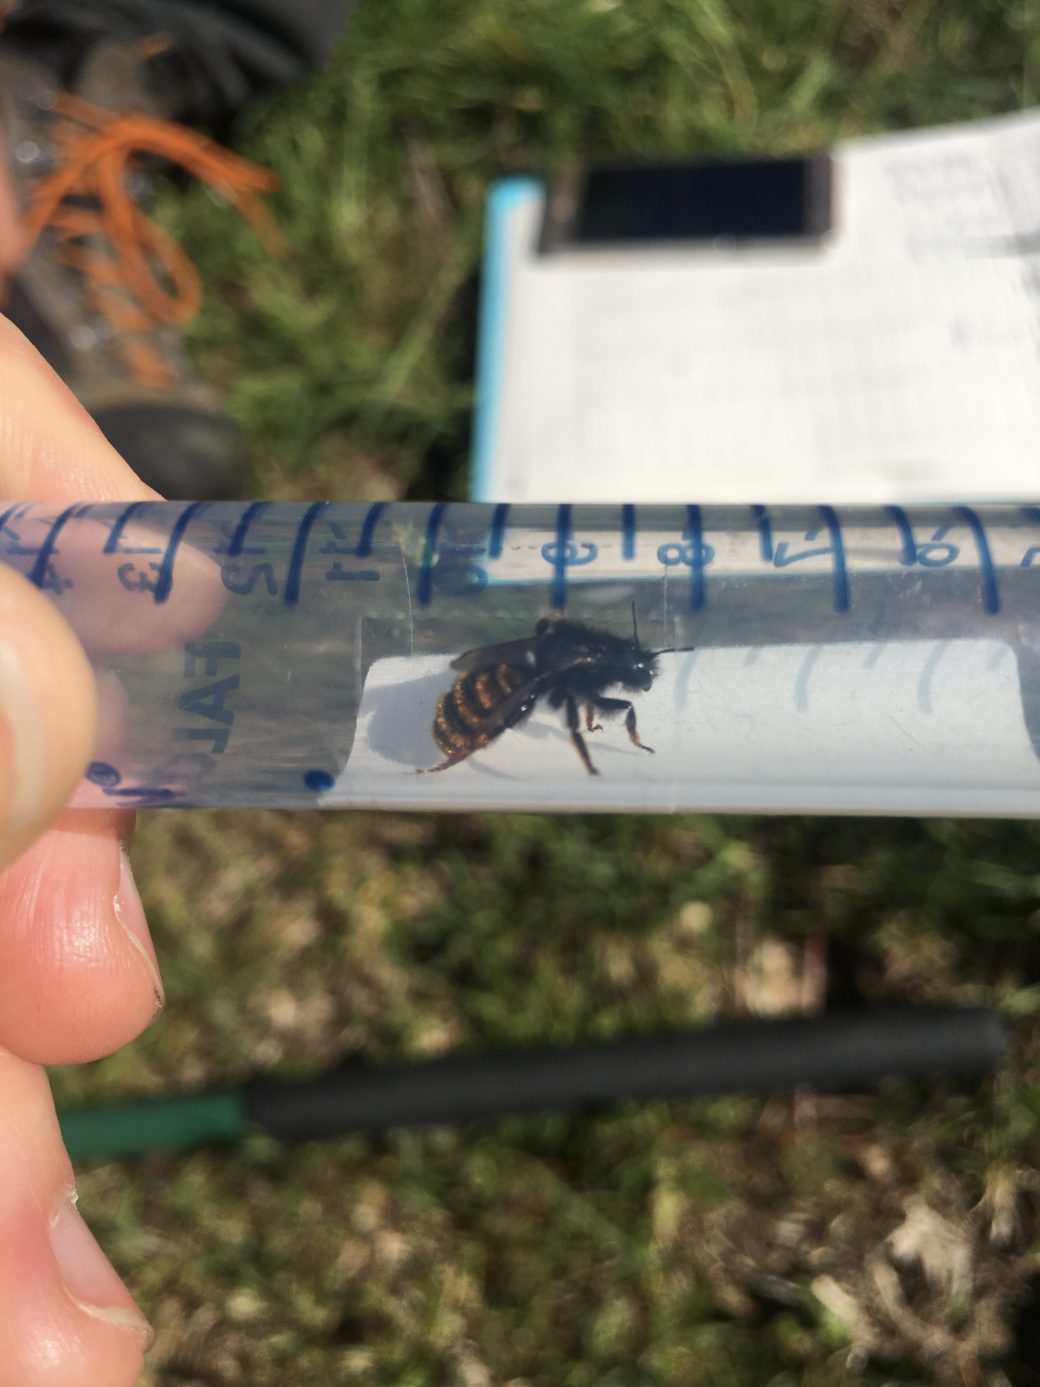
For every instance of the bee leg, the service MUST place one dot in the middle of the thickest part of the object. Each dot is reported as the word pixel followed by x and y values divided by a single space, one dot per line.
pixel 633 735
pixel 591 726
pixel 615 705
pixel 445 765
pixel 576 737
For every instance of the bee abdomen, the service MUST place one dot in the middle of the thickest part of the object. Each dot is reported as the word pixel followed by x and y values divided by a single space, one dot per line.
pixel 466 715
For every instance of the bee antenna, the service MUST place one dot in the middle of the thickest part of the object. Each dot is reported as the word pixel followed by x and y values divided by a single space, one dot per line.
pixel 635 632
pixel 674 650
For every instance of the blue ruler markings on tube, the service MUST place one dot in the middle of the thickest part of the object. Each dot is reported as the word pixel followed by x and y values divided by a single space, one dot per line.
pixel 291 595
pixel 559 561
pixel 424 590
pixel 368 529
pixel 938 552
pixel 901 521
pixel 841 572
pixel 164 582
pixel 935 552
pixel 834 549
pixel 698 556
pixel 38 572
pixel 246 519
pixel 338 546
pixel 987 572
pixel 690 552
pixel 111 545
pixel 1031 513
pixel 932 550
pixel 628 532
pixel 14 513
pixel 362 550
pixel 765 532
pixel 496 535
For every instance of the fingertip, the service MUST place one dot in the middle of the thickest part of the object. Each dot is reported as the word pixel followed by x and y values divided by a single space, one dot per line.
pixel 48 713
pixel 75 951
pixel 66 1315
pixel 53 449
pixel 130 917
pixel 88 1278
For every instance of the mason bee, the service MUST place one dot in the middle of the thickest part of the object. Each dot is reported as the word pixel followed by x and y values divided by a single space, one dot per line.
pixel 566 662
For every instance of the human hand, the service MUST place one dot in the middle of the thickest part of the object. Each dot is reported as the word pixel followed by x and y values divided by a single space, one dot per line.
pixel 78 975
pixel 12 240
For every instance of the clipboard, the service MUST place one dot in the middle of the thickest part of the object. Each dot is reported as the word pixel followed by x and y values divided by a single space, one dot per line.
pixel 893 357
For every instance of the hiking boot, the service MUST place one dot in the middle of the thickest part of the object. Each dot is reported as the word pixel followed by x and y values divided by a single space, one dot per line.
pixel 104 293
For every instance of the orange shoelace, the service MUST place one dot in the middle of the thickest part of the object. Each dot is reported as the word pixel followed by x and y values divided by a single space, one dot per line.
pixel 141 277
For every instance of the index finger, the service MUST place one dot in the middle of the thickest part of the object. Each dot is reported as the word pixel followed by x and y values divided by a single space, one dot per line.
pixel 50 448
pixel 81 955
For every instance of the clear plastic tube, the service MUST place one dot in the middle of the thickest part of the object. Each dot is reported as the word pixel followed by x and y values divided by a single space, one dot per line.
pixel 853 661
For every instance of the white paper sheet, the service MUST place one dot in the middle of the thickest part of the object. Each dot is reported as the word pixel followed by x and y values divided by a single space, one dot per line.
pixel 900 361
pixel 903 727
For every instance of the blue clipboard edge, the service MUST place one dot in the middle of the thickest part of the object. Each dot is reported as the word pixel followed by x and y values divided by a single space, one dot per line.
pixel 503 201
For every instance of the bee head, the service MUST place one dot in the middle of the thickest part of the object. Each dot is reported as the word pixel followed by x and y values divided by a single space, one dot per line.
pixel 642 669
pixel 643 665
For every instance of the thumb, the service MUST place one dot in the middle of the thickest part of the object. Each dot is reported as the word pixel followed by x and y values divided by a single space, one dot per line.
pixel 48 713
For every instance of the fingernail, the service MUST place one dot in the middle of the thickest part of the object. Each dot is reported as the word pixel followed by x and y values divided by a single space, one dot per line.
pixel 90 1278
pixel 23 755
pixel 130 914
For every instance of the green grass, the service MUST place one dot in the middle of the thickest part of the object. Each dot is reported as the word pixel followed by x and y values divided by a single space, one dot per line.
pixel 723 1242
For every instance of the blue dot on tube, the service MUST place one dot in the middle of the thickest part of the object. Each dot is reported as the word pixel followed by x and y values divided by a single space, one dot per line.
pixel 101 773
pixel 318 780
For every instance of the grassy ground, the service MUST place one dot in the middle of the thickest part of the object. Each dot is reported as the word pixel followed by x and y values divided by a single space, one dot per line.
pixel 731 1241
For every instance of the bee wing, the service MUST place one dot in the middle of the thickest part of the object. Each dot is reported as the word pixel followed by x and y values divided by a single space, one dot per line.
pixel 513 710
pixel 518 652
